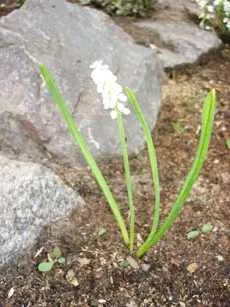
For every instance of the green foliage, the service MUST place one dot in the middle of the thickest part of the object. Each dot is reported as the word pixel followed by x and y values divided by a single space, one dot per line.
pixel 56 253
pixel 79 140
pixel 193 234
pixel 124 149
pixel 207 228
pixel 20 2
pixel 151 154
pixel 54 257
pixel 178 127
pixel 45 267
pixel 227 142
pixel 206 131
pixel 122 7
pixel 216 14
pixel 158 230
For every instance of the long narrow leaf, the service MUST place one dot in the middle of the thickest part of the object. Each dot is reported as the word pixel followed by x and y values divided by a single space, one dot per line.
pixel 206 131
pixel 79 140
pixel 152 156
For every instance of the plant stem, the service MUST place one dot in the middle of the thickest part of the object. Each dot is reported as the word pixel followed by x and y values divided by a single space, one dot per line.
pixel 124 149
pixel 206 131
pixel 152 157
pixel 79 140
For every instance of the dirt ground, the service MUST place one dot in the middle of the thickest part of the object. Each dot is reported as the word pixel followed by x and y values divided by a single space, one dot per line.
pixel 177 271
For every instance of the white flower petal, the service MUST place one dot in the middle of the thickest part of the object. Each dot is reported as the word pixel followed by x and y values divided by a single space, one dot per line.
pixel 111 92
pixel 122 97
pixel 113 114
pixel 126 111
pixel 96 64
pixel 123 109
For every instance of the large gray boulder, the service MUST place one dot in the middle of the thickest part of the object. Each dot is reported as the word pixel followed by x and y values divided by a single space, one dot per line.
pixel 68 38
pixel 31 196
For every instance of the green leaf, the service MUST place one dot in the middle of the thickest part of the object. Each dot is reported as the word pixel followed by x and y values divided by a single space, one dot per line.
pixel 151 154
pixel 191 235
pixel 61 260
pixel 207 119
pixel 56 253
pixel 207 228
pixel 45 266
pixel 178 127
pixel 80 141
pixel 227 142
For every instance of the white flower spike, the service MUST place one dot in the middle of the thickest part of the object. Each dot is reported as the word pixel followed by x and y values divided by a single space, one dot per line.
pixel 111 92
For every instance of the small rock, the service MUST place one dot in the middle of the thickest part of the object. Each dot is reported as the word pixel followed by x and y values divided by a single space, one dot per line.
pixel 225 177
pixel 192 267
pixel 131 304
pixel 220 258
pixel 133 263
pixel 145 267
pixel 102 231
pixel 101 301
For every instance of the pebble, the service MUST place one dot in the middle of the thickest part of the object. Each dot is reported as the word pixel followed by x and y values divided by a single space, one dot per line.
pixel 145 267
pixel 220 258
pixel 192 267
pixel 101 301
pixel 132 262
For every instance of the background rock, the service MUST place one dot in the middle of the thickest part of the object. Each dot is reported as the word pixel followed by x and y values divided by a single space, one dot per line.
pixel 180 6
pixel 68 38
pixel 181 42
pixel 31 196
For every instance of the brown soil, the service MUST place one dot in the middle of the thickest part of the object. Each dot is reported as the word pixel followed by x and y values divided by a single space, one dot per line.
pixel 176 272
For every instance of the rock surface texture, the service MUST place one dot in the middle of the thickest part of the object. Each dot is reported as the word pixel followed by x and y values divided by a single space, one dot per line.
pixel 175 34
pixel 179 6
pixel 31 196
pixel 182 42
pixel 67 38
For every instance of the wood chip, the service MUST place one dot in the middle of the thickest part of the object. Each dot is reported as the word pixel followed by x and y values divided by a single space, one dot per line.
pixel 10 293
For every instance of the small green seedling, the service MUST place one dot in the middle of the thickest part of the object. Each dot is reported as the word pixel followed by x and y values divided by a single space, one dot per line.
pixel 54 257
pixel 178 127
pixel 19 3
pixel 206 228
pixel 227 142
pixel 193 234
